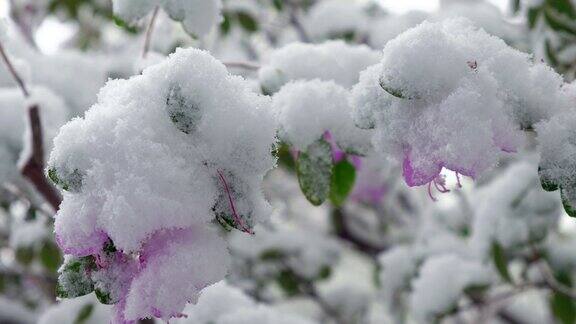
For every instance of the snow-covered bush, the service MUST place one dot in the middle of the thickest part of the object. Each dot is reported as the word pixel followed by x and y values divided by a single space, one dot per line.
pixel 258 161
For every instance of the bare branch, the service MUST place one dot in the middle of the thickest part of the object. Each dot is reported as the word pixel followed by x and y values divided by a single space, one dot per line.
pixel 33 168
pixel 149 30
pixel 243 65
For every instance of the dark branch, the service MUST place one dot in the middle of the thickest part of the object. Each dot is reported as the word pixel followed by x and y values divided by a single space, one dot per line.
pixel 33 168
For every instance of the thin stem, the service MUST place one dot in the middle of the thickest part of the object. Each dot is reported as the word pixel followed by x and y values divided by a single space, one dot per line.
pixel 13 72
pixel 149 30
pixel 297 24
pixel 549 280
pixel 237 218
pixel 243 65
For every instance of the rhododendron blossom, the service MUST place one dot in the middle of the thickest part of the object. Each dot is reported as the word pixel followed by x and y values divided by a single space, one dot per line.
pixel 445 96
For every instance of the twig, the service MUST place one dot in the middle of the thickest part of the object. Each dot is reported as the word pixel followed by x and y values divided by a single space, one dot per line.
pixel 16 192
pixel 149 30
pixel 343 231
pixel 33 168
pixel 549 280
pixel 243 65
pixel 297 24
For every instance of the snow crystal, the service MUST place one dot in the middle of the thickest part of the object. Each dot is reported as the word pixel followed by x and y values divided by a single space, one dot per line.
pixel 198 17
pixel 330 61
pixel 308 109
pixel 450 275
pixel 452 96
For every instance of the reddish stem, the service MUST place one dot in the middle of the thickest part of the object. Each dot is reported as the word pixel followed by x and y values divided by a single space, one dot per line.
pixel 237 218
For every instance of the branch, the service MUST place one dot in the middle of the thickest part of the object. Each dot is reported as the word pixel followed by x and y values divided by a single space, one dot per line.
pixel 33 168
pixel 297 24
pixel 243 65
pixel 149 30
pixel 343 231
pixel 550 280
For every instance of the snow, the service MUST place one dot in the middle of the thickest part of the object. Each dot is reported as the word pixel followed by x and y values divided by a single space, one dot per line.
pixel 198 17
pixel 335 18
pixel 13 125
pixel 513 210
pixel 67 311
pixel 308 109
pixel 475 90
pixel 329 61
pixel 449 274
pixel 225 304
pixel 173 148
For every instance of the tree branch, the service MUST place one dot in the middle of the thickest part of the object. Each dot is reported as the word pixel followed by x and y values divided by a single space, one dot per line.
pixel 33 168
pixel 149 30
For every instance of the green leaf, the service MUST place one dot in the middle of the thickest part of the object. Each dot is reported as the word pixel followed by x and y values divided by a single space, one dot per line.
pixel 25 255
pixel 563 306
pixel 104 297
pixel 515 6
pixel 271 255
pixel 533 14
pixel 500 261
pixel 84 314
pixel 50 256
pixel 226 24
pixel 552 58
pixel 562 6
pixel 567 205
pixel 314 170
pixel 247 22
pixel 183 111
pixel 548 185
pixel 324 273
pixel 398 93
pixel 278 4
pixel 74 277
pixel 559 22
pixel 342 182
pixel 288 282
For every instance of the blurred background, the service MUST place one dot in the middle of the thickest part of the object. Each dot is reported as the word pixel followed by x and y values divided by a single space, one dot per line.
pixel 354 263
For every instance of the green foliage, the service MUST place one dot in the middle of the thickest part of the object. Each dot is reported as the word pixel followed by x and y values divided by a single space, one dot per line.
pixel 74 277
pixel 314 170
pixel 104 297
pixel 342 182
pixel 183 112
pixel 501 261
pixel 25 255
pixel 50 256
pixel 288 281
pixel 247 22
pixel 271 255
pixel 84 314
pixel 243 19
pixel 398 93
pixel 71 182
pixel 563 306
pixel 567 205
